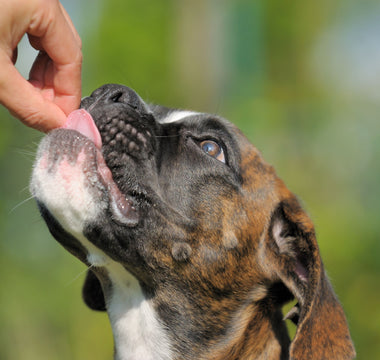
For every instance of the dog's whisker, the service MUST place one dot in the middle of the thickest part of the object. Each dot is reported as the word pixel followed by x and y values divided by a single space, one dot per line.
pixel 20 204
pixel 36 221
pixel 166 136
pixel 79 275
pixel 26 154
pixel 26 188
pixel 98 99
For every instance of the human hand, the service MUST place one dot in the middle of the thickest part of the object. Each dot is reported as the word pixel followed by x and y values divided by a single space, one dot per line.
pixel 54 86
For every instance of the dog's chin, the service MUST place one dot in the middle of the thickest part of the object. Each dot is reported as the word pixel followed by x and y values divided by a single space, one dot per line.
pixel 74 186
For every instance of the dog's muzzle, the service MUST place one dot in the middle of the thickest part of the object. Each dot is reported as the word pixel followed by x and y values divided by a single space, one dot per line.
pixel 125 123
pixel 128 136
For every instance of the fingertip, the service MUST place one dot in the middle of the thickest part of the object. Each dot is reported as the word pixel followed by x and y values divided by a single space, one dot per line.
pixel 46 119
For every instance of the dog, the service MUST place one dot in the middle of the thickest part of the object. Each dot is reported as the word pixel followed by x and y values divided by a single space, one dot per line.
pixel 192 241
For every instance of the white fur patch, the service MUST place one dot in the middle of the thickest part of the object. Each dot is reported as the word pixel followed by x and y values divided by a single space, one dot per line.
pixel 177 116
pixel 64 189
pixel 137 332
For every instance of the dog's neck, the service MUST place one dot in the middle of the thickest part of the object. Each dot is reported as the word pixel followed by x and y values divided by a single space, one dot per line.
pixel 258 338
pixel 137 332
pixel 140 334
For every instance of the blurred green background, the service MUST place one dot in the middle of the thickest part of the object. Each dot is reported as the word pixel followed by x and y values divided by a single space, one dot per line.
pixel 302 79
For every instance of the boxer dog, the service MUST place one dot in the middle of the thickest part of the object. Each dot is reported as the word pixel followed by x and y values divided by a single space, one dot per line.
pixel 193 243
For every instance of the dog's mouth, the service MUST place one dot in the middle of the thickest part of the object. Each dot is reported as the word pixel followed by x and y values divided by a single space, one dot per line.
pixel 123 206
pixel 116 138
pixel 95 178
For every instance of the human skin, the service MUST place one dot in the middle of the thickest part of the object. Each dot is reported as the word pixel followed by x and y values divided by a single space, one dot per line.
pixel 54 86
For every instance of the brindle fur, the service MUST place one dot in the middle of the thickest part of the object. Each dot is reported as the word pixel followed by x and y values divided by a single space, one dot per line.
pixel 221 250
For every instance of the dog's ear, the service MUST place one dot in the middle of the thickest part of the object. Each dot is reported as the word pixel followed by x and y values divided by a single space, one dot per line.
pixel 92 292
pixel 322 331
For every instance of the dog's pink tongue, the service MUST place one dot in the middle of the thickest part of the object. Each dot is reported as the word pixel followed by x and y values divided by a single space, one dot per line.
pixel 81 121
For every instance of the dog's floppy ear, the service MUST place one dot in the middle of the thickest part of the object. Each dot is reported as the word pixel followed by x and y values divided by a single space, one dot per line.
pixel 322 331
pixel 92 292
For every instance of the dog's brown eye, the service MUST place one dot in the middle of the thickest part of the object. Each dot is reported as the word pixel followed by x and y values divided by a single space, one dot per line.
pixel 213 149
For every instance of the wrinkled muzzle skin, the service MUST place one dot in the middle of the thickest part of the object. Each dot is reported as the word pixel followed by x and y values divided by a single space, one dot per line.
pixel 193 241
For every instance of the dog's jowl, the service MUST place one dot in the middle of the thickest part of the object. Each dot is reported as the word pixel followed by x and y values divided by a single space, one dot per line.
pixel 194 243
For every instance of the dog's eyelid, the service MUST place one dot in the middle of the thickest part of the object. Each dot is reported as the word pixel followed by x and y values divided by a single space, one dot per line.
pixel 213 149
pixel 206 139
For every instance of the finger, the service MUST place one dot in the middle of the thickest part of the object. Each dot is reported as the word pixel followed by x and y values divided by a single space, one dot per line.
pixel 65 73
pixel 36 74
pixel 72 27
pixel 36 41
pixel 26 102
pixel 48 34
pixel 44 77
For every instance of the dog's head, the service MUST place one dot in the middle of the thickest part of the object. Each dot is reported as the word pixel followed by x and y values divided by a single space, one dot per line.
pixel 186 204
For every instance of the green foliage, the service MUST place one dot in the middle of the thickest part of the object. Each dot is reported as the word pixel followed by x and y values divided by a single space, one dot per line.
pixel 255 63
pixel 131 45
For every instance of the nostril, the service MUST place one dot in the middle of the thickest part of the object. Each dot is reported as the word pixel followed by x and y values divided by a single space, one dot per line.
pixel 116 97
pixel 111 93
pixel 120 95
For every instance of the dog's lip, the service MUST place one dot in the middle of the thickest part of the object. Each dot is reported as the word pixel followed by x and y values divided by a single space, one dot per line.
pixel 122 207
pixel 82 121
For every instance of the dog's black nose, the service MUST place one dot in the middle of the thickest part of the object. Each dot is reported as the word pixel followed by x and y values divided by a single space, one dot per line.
pixel 113 94
pixel 126 124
